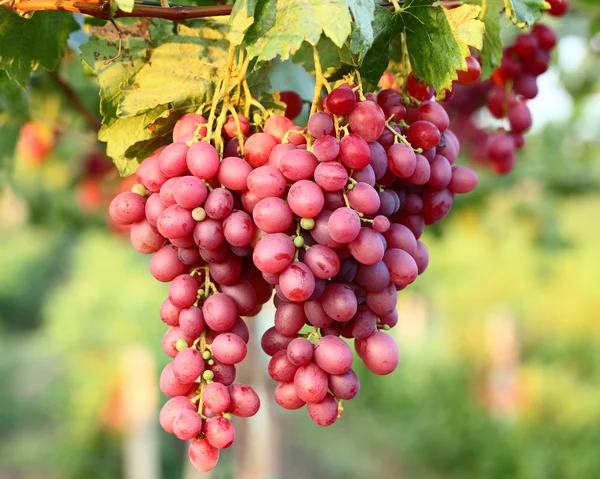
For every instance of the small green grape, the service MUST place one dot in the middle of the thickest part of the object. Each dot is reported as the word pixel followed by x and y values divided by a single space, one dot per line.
pixel 139 189
pixel 181 344
pixel 307 223
pixel 199 214
pixel 298 241
pixel 208 375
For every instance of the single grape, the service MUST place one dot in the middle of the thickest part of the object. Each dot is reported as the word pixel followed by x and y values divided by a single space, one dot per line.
pixel 258 147
pixel 354 151
pixel 220 312
pixel 382 302
pixel 379 353
pixel 339 302
pixel 273 253
pixel 311 383
pixel 145 238
pixel 322 261
pixel 266 181
pixel 127 208
pixel 402 160
pixel 172 408
pixel 364 198
pixel 191 321
pixel 344 225
pixel 172 160
pixel 277 126
pixel 341 101
pixel 287 397
pixel 293 103
pixel 169 384
pixel 165 264
pixel 331 176
pixel 418 89
pixel 464 180
pixel 273 341
pixel 219 432
pixel 243 295
pixel 289 318
pixel 326 148
pixel 298 164
pixel 244 400
pixel 230 128
pixel 332 355
pixel 300 351
pixel 281 369
pixel 373 277
pixel 208 234
pixel 367 120
pixel 188 366
pixel 203 456
pixel 320 124
pixel 344 386
pixel 472 73
pixel 434 113
pixel 423 134
pixel 187 125
pixel 215 397
pixel 305 199
pixel 441 173
pixel 297 282
pixel 183 290
pixel 324 413
pixel 316 315
pixel 153 208
pixel 519 117
pixel 233 173
pixel 228 348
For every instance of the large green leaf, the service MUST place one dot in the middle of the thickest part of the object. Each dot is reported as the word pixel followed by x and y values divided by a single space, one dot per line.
pixel 159 77
pixel 524 11
pixel 376 59
pixel 363 14
pixel 438 39
pixel 180 71
pixel 280 26
pixel 491 53
pixel 25 45
pixel 240 20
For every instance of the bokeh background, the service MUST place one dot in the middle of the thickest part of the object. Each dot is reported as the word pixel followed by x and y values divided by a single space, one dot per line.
pixel 500 376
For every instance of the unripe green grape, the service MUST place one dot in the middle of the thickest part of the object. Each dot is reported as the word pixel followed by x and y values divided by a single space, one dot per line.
pixel 181 344
pixel 307 223
pixel 139 189
pixel 298 241
pixel 211 362
pixel 199 214
pixel 208 375
pixel 206 355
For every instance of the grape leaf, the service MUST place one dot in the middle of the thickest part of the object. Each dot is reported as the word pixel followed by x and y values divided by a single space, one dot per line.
pixel 491 51
pixel 376 59
pixel 330 56
pixel 240 20
pixel 437 39
pixel 116 74
pixel 524 11
pixel 121 135
pixel 363 13
pixel 26 45
pixel 181 71
pixel 159 77
pixel 280 26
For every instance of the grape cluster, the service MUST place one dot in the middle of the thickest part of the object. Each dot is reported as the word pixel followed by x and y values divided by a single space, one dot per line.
pixel 505 97
pixel 329 216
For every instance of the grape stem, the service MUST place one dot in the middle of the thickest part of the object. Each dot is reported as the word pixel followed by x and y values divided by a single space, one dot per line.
pixel 397 136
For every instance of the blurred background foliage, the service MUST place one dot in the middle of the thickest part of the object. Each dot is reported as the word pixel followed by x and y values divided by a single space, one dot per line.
pixel 501 336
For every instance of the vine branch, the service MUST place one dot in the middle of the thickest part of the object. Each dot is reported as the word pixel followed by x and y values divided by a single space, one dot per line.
pixel 102 10
pixel 91 119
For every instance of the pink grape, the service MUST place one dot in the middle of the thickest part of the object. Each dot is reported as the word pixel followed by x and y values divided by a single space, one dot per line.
pixel 189 192
pixel 402 160
pixel 379 353
pixel 423 134
pixel 172 408
pixel 399 236
pixel 220 313
pixel 145 238
pixel 289 318
pixel 297 282
pixel 219 203
pixel 364 323
pixel 323 413
pixel 169 314
pixel 341 101
pixel 238 228
pixel 183 291
pixel 300 351
pixel 233 173
pixel 273 341
pixel 208 234
pixel 441 173
pixel 316 315
pixel 277 126
pixel 202 160
pixel 154 208
pixel 175 222
pixel 287 397
pixel 374 277
pixel 320 124
pixel 266 181
pixel 165 264
pixel 382 302
pixel 274 253
pixel 278 152
pixel 344 225
pixel 354 151
pixel 364 198
pixel 305 199
pixel 344 386
pixel 223 373
pixel 311 383
pixel 367 120
pixel 169 384
pixel 230 128
pixel 367 247
pixel 127 208
pixel 326 148
pixel 322 261
pixel 187 125
pixel 203 456
pixel 243 295
pixel 464 180
pixel 191 321
pixel 215 397
pixel 172 160
pixel 281 369
pixel 228 348
pixel 244 400
pixel 298 164
pixel 258 147
pixel 187 425
pixel 219 432
pixel 333 355
pixel 273 215
pixel 402 266
pixel 331 176
pixel 188 366
pixel 166 192
pixel 339 302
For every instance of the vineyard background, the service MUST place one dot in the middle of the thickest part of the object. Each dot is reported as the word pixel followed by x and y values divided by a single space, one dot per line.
pixel 501 337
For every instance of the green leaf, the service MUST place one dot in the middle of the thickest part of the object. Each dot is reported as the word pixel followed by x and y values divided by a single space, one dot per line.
pixel 437 39
pixel 240 20
pixel 116 74
pixel 126 5
pixel 524 11
pixel 363 13
pixel 281 26
pixel 123 134
pixel 159 77
pixel 491 52
pixel 181 71
pixel 26 45
pixel 334 63
pixel 376 59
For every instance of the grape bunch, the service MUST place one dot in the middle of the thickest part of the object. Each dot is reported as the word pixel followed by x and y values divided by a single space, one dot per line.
pixel 505 97
pixel 328 216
